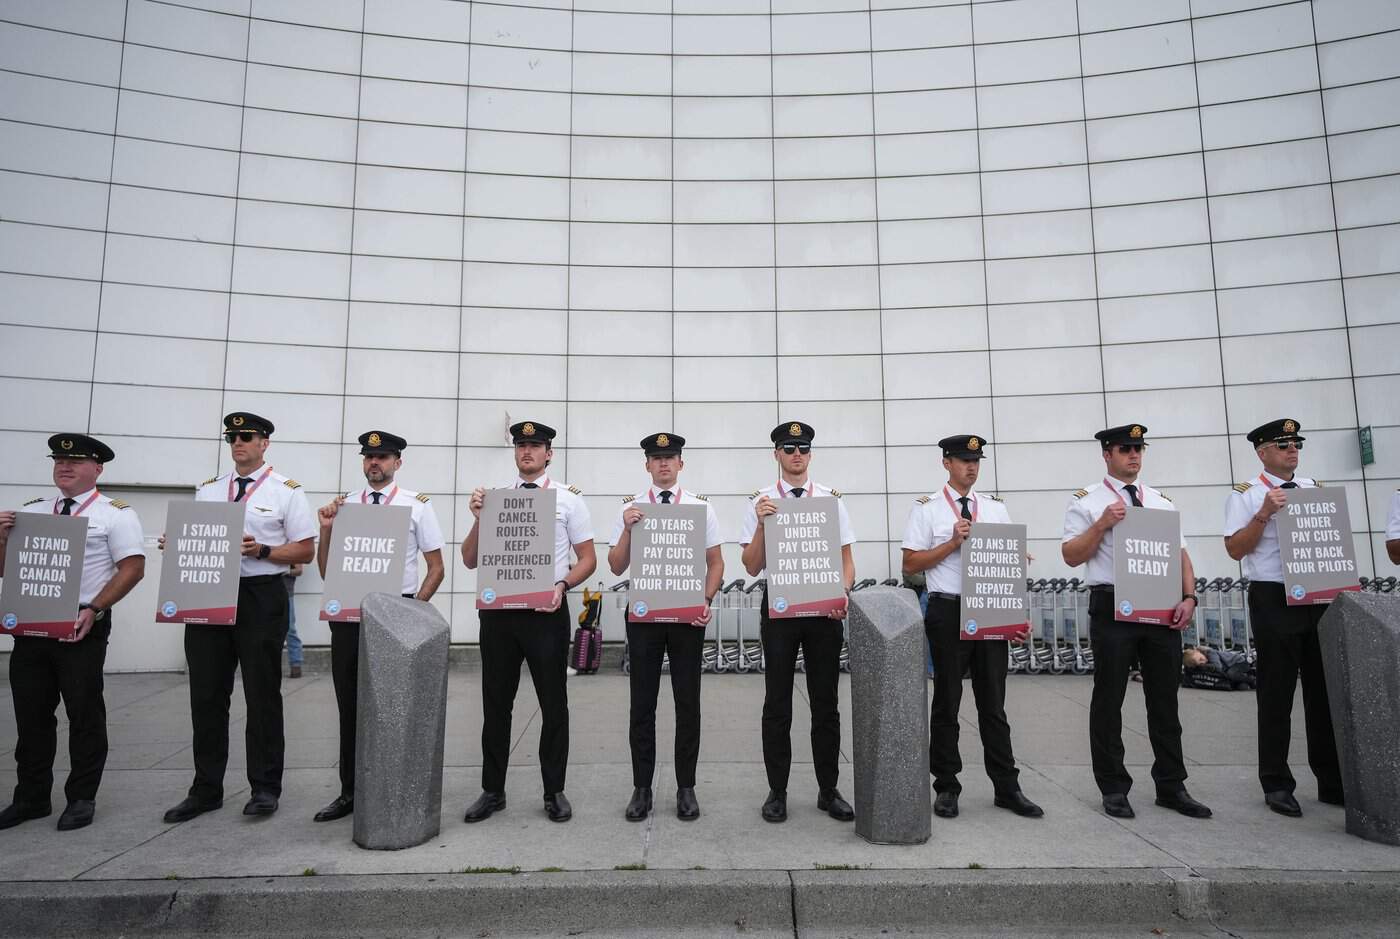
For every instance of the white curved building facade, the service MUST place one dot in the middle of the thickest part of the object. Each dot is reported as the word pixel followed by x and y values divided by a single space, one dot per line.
pixel 896 221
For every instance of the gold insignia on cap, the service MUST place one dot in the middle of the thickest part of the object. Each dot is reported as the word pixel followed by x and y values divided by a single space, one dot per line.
pixel 528 430
pixel 662 440
pixel 795 430
pixel 1135 432
pixel 973 443
pixel 66 443
pixel 1289 427
pixel 236 421
pixel 374 440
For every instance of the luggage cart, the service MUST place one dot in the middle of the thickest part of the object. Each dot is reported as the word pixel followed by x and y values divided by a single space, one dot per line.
pixel 1212 631
pixel 727 651
pixel 620 589
pixel 1042 652
pixel 750 650
pixel 1190 636
pixel 1018 656
pixel 1235 618
pixel 1083 661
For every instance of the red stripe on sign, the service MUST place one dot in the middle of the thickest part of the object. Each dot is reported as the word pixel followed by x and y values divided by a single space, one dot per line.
pixel 682 614
pixel 1322 596
pixel 811 608
pixel 1151 617
pixel 518 601
pixel 210 616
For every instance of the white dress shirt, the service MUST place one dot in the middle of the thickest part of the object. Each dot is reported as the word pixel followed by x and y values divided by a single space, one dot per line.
pixel 1085 508
pixel 931 522
pixel 1264 562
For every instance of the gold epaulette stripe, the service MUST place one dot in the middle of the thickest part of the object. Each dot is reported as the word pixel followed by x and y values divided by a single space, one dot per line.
pixel 119 504
pixel 1165 496
pixel 422 497
pixel 211 479
pixel 755 493
pixel 1080 493
pixel 836 493
pixel 627 499
pixel 923 500
pixel 1241 487
pixel 576 490
pixel 291 484
pixel 703 498
pixel 32 501
pixel 994 498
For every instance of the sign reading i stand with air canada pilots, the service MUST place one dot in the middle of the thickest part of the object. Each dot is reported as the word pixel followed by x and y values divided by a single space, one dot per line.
pixel 667 565
pixel 995 601
pixel 802 552
pixel 515 549
pixel 1315 545
pixel 367 556
pixel 43 575
pixel 1147 566
pixel 199 576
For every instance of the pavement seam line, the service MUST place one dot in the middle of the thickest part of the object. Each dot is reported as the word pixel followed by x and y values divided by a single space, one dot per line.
pixel 792 903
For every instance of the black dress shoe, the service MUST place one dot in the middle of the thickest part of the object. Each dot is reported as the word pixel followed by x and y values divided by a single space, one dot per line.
pixel 23 812
pixel 262 803
pixel 341 806
pixel 1116 805
pixel 1182 802
pixel 639 806
pixel 78 814
pixel 834 804
pixel 687 809
pixel 1282 802
pixel 945 805
pixel 558 808
pixel 486 805
pixel 775 807
pixel 189 808
pixel 1018 803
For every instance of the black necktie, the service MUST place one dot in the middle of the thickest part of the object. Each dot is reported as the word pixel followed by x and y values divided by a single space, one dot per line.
pixel 966 512
pixel 529 485
pixel 1132 494
pixel 376 496
pixel 67 506
pixel 243 483
pixel 666 495
pixel 1289 485
pixel 797 492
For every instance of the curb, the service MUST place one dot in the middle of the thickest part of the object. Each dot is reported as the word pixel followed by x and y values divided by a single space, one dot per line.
pixel 748 903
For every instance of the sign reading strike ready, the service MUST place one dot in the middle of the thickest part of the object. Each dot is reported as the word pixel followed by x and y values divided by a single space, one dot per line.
pixel 1315 544
pixel 668 565
pixel 367 556
pixel 43 575
pixel 1147 566
pixel 995 601
pixel 199 576
pixel 515 549
pixel 802 551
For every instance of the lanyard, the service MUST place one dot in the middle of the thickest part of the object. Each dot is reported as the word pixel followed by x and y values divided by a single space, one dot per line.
pixel 957 512
pixel 1118 495
pixel 79 510
pixel 364 496
pixel 675 497
pixel 247 493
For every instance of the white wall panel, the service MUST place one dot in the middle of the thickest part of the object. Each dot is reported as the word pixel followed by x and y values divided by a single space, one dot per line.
pixel 895 221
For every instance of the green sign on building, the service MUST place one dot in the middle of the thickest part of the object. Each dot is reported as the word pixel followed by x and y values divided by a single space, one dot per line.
pixel 1368 451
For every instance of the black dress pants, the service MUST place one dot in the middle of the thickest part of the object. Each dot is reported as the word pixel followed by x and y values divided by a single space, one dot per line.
pixel 540 640
pixel 1157 652
pixel 253 646
pixel 647 643
pixel 345 675
pixel 1286 640
pixel 820 638
pixel 986 659
pixel 43 671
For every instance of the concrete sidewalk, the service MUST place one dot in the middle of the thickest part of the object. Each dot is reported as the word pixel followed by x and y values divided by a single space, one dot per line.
pixel 1159 864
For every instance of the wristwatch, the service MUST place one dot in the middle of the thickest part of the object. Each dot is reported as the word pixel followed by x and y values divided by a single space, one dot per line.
pixel 1192 597
pixel 98 613
pixel 264 551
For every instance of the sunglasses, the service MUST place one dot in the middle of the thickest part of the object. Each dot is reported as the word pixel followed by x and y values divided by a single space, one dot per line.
pixel 791 448
pixel 1130 447
pixel 1288 444
pixel 246 436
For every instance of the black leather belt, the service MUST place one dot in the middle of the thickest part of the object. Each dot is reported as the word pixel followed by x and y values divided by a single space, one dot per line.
pixel 938 595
